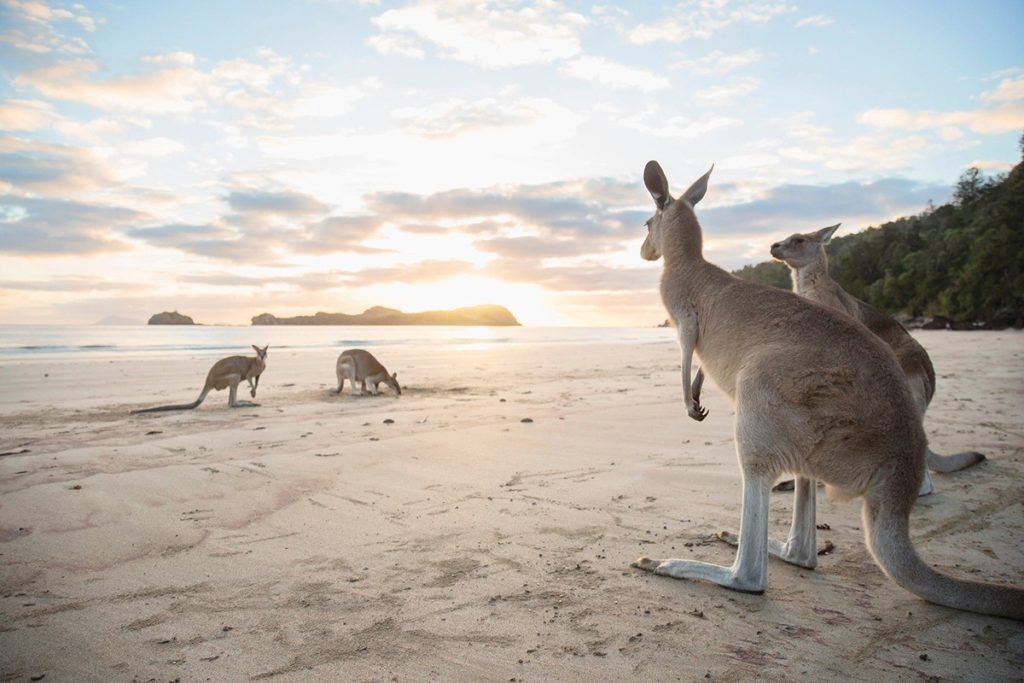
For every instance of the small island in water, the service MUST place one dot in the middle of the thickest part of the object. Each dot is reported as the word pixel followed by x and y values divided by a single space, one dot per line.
pixel 487 314
pixel 170 318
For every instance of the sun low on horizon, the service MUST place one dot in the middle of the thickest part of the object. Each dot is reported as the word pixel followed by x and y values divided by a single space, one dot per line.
pixel 236 158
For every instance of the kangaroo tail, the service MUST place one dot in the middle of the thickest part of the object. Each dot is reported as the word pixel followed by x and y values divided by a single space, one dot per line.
pixel 953 463
pixel 180 406
pixel 886 531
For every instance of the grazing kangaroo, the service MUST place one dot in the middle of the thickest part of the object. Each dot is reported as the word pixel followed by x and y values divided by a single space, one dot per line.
pixel 227 373
pixel 808 263
pixel 815 394
pixel 360 366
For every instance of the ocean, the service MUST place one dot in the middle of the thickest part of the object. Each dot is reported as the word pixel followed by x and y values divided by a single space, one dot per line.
pixel 25 342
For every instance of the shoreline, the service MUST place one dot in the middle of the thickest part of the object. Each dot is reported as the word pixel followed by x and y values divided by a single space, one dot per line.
pixel 309 539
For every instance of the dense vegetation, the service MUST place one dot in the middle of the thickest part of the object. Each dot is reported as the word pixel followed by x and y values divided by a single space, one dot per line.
pixel 963 260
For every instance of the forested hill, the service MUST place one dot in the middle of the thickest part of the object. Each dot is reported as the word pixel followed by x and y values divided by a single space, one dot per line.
pixel 963 260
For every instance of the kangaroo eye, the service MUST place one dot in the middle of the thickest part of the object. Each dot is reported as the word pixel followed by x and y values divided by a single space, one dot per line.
pixel 799 240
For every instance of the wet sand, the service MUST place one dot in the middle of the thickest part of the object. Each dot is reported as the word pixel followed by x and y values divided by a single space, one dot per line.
pixel 485 534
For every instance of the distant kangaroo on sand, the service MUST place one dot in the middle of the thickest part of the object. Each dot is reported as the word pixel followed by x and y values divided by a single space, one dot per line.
pixel 227 373
pixel 808 263
pixel 815 394
pixel 358 365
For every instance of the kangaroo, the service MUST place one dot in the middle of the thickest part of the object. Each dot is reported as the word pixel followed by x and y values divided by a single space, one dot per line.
pixel 359 365
pixel 815 394
pixel 808 263
pixel 227 373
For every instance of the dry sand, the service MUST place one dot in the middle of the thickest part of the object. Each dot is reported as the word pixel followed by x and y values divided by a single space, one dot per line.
pixel 308 539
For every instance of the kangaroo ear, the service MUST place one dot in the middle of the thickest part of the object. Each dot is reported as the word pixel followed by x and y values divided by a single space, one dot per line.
pixel 394 375
pixel 695 192
pixel 657 184
pixel 825 234
pixel 256 349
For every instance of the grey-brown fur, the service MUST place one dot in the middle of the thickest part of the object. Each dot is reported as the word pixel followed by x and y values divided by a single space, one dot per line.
pixel 815 394
pixel 357 365
pixel 805 255
pixel 227 373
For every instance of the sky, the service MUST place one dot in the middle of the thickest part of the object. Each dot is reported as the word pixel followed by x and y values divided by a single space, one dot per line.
pixel 230 158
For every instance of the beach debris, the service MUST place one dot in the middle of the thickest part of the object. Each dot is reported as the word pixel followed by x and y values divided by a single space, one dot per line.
pixel 784 486
pixel 23 450
pixel 76 487
pixel 388 421
pixel 325 455
pixel 827 548
pixel 527 419
pixel 151 432
pixel 823 527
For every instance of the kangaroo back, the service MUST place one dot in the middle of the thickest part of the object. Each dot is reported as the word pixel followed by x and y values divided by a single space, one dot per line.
pixel 364 362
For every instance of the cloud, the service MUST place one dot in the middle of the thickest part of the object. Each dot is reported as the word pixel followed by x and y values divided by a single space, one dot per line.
pixel 48 168
pixel 1002 119
pixel 403 46
pixel 70 283
pixel 806 141
pixel 534 247
pixel 265 226
pixel 457 116
pixel 173 87
pixel 587 277
pixel 817 20
pixel 274 202
pixel 414 273
pixel 487 34
pixel 152 147
pixel 718 63
pixel 36 226
pixel 602 71
pixel 1005 115
pixel 269 90
pixel 25 115
pixel 678 127
pixel 31 27
pixel 719 95
pixel 703 20
pixel 792 207
pixel 1008 90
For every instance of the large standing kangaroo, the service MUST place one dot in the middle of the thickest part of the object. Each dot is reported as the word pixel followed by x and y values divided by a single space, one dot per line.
pixel 815 394
pixel 227 373
pixel 808 264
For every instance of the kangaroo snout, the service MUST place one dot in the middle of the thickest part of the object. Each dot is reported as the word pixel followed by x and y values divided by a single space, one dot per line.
pixel 776 250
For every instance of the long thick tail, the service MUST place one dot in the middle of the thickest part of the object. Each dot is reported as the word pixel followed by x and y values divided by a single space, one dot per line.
pixel 180 406
pixel 886 530
pixel 953 463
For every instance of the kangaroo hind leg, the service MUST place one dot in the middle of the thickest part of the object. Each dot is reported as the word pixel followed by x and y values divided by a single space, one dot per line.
pixel 749 572
pixel 800 548
pixel 233 402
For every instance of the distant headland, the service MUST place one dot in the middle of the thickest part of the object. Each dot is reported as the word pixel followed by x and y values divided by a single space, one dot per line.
pixel 487 314
pixel 170 318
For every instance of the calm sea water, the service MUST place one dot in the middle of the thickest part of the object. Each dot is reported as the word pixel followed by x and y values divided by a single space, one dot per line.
pixel 20 342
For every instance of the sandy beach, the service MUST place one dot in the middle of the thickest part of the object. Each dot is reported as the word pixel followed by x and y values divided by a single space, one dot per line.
pixel 479 528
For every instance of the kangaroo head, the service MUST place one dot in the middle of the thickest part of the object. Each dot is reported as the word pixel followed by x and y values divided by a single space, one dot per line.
pixel 261 353
pixel 802 249
pixel 392 381
pixel 669 211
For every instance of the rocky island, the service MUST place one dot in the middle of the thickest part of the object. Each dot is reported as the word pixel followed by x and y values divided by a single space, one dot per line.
pixel 170 318
pixel 488 314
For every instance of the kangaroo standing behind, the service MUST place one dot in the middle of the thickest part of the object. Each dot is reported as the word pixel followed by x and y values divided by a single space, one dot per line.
pixel 808 263
pixel 358 365
pixel 227 373
pixel 815 394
